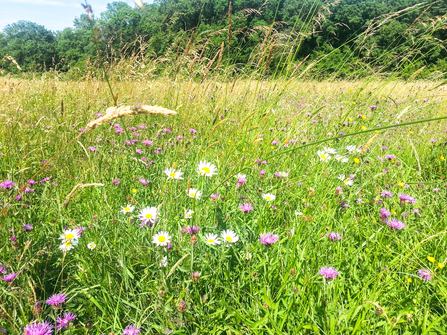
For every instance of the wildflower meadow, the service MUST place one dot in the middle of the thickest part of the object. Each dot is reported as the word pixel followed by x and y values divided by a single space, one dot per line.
pixel 236 207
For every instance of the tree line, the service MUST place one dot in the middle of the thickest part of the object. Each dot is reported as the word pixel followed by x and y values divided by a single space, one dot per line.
pixel 345 37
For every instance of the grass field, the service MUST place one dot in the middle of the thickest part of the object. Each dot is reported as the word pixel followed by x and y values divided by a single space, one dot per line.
pixel 357 223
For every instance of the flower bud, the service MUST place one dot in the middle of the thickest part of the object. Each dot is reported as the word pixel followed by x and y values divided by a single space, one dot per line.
pixel 182 307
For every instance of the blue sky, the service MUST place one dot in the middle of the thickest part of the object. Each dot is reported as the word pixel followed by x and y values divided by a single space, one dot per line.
pixel 53 14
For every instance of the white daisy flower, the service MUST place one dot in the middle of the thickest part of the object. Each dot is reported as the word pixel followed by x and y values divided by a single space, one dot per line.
pixel 161 239
pixel 164 262
pixel 207 169
pixel 173 173
pixel 212 239
pixel 297 212
pixel 91 245
pixel 269 196
pixel 229 236
pixel 342 159
pixel 70 235
pixel 189 213
pixel 282 174
pixel 248 256
pixel 324 156
pixel 127 209
pixel 148 214
pixel 352 148
pixel 68 245
pixel 348 182
pixel 331 151
pixel 194 193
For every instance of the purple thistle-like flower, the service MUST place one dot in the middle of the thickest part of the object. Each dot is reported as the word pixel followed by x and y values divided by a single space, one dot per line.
pixel 246 207
pixel 63 322
pixel 425 274
pixel 10 277
pixel 19 197
pixel 436 190
pixel 41 328
pixel 131 330
pixel 328 272
pixel 92 149
pixel 7 184
pixel 144 181
pixel 396 224
pixel 192 230
pixel 344 204
pixel 262 173
pixel 193 131
pixel 334 236
pixel 214 196
pixel 407 198
pixel 384 213
pixel 2 269
pixel 390 157
pixel 28 227
pixel 115 181
pixel 359 201
pixel 268 239
pixel 386 194
pixel 31 182
pixel 80 230
pixel 56 299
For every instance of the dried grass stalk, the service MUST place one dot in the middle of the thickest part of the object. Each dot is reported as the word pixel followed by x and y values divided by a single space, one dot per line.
pixel 139 3
pixel 220 55
pixel 113 113
pixel 80 186
pixel 229 26
pixel 367 144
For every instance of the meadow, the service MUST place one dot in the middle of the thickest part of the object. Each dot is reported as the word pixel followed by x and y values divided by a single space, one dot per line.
pixel 261 207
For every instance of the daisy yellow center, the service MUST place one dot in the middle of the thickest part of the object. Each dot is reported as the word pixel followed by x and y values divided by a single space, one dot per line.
pixel 210 240
pixel 267 198
pixel 127 209
pixel 229 239
pixel 323 156
pixel 192 195
pixel 172 174
pixel 161 239
pixel 69 236
pixel 148 216
pixel 206 169
pixel 346 180
pixel 67 244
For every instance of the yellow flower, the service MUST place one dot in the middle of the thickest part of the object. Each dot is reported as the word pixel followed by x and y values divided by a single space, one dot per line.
pixel 409 280
pixel 361 93
pixel 401 184
pixel 363 128
pixel 411 132
pixel 229 141
pixel 440 265
pixel 272 147
pixel 356 160
pixel 431 259
pixel 353 103
pixel 442 158
pixel 350 120
pixel 243 149
pixel 134 191
pixel 377 131
pixel 363 117
pixel 387 246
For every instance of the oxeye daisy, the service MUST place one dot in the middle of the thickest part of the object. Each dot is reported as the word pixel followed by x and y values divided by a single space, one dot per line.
pixel 331 151
pixel 68 245
pixel 173 173
pixel 164 262
pixel 348 182
pixel 206 169
pixel 127 209
pixel 91 245
pixel 341 159
pixel 281 174
pixel 248 256
pixel 161 239
pixel 269 196
pixel 324 156
pixel 229 236
pixel 70 235
pixel 194 193
pixel 148 214
pixel 188 214
pixel 212 239
pixel 351 148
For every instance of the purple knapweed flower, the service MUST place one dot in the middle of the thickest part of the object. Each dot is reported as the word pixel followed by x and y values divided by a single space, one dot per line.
pixel 268 239
pixel 192 230
pixel 41 328
pixel 386 194
pixel 390 157
pixel 14 238
pixel 274 143
pixel 334 236
pixel 425 274
pixel 193 131
pixel 63 322
pixel 144 181
pixel 3 270
pixel 344 204
pixel 436 190
pixel 131 330
pixel 31 182
pixel 407 198
pixel 7 184
pixel 92 149
pixel 28 227
pixel 359 201
pixel 432 140
pixel 139 151
pixel 56 299
pixel 395 224
pixel 328 272
pixel 19 197
pixel 214 196
pixel 115 181
pixel 384 148
pixel 98 114
pixel 10 277
pixel 29 190
pixel 262 173
pixel 246 207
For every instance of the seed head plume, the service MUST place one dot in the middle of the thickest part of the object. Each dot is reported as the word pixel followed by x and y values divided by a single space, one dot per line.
pixel 117 112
